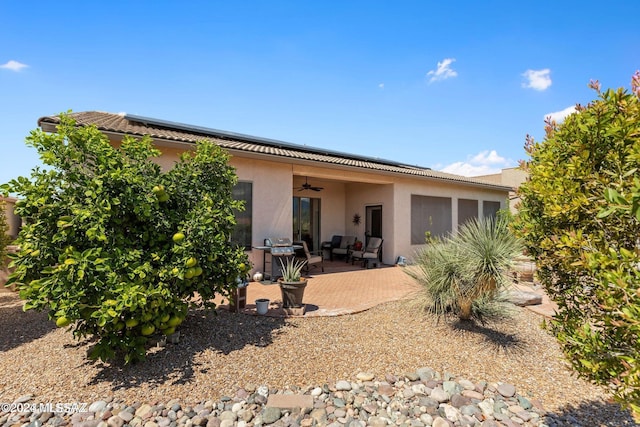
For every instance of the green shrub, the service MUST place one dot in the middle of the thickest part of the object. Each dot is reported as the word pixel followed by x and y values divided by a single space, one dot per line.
pixel 463 274
pixel 580 220
pixel 117 248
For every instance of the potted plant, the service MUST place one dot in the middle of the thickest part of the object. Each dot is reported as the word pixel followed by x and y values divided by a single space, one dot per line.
pixel 291 283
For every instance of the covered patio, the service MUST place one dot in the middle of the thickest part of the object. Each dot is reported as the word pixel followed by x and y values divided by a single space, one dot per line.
pixel 342 289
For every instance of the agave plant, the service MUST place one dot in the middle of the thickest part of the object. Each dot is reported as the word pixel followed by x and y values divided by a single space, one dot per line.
pixel 463 273
pixel 292 269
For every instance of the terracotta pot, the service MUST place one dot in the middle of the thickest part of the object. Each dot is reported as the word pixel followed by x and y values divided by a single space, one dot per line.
pixel 292 293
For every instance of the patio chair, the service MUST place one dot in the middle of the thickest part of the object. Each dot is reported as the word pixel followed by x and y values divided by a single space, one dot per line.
pixel 313 258
pixel 330 246
pixel 346 244
pixel 370 255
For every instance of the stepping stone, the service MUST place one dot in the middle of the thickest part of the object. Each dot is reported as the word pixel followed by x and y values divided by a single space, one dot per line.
pixel 289 401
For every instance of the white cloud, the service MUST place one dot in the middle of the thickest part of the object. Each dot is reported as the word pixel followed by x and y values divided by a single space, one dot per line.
pixel 443 71
pixel 484 163
pixel 559 116
pixel 381 85
pixel 14 65
pixel 537 79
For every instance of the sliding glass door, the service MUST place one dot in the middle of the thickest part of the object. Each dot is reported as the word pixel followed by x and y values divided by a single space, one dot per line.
pixel 306 221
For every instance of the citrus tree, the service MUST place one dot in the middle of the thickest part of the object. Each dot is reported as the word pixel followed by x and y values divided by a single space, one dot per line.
pixel 117 248
pixel 580 219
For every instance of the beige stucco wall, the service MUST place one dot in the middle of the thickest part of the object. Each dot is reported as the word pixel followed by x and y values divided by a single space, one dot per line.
pixel 346 191
pixel 361 195
pixel 512 177
pixel 405 188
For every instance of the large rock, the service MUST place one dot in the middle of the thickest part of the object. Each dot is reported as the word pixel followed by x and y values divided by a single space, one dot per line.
pixel 523 298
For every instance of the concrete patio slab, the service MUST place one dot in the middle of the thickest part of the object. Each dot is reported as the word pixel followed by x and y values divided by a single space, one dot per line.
pixel 346 289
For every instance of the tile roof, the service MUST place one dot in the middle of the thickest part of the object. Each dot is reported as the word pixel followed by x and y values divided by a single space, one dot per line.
pixel 177 132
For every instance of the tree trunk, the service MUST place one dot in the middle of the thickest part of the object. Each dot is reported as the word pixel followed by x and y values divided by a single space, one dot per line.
pixel 465 310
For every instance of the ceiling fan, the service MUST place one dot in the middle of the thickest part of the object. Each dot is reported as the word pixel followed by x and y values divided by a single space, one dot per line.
pixel 307 186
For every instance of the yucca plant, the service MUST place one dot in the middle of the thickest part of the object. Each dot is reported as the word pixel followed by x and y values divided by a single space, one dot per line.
pixel 462 274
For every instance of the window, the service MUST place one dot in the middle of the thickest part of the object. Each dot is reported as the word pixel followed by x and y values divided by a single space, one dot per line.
pixel 467 210
pixel 490 209
pixel 241 234
pixel 432 214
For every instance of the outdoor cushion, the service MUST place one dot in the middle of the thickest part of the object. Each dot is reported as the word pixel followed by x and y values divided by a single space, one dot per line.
pixel 347 241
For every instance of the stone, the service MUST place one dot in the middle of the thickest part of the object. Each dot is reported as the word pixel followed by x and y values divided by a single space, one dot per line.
pixel 471 410
pixel 426 419
pixel 198 420
pixel 466 384
pixel 458 400
pixel 126 416
pixel 439 395
pixel 451 387
pixel 339 403
pixel 523 298
pixel 450 412
pixel 290 401
pixel 472 394
pixel 271 414
pixel 365 376
pixel 486 406
pixel 506 390
pixel 143 411
pixel 115 421
pixel 226 423
pixel 412 376
pixel 426 374
pixel 214 422
pixel 263 391
pixel 377 422
pixel 343 385
pixel 339 413
pixel 386 389
pixel 407 393
pixel 316 392
pixel 98 406
pixel 319 415
pixel 524 402
pixel 228 415
pixel 23 399
pixel 440 422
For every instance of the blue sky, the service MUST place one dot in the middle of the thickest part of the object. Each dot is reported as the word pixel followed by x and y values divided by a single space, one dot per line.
pixel 448 85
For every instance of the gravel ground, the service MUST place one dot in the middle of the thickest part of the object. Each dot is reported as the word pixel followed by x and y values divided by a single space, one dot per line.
pixel 217 355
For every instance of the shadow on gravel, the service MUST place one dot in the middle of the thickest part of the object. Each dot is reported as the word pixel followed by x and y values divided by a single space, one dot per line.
pixel 591 413
pixel 202 330
pixel 14 319
pixel 501 341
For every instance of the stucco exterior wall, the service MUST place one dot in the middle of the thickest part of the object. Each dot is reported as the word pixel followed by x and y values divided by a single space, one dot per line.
pixel 345 192
pixel 405 188
pixel 359 196
pixel 272 201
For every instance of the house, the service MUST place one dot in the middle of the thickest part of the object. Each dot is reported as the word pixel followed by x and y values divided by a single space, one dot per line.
pixel 511 177
pixel 301 192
